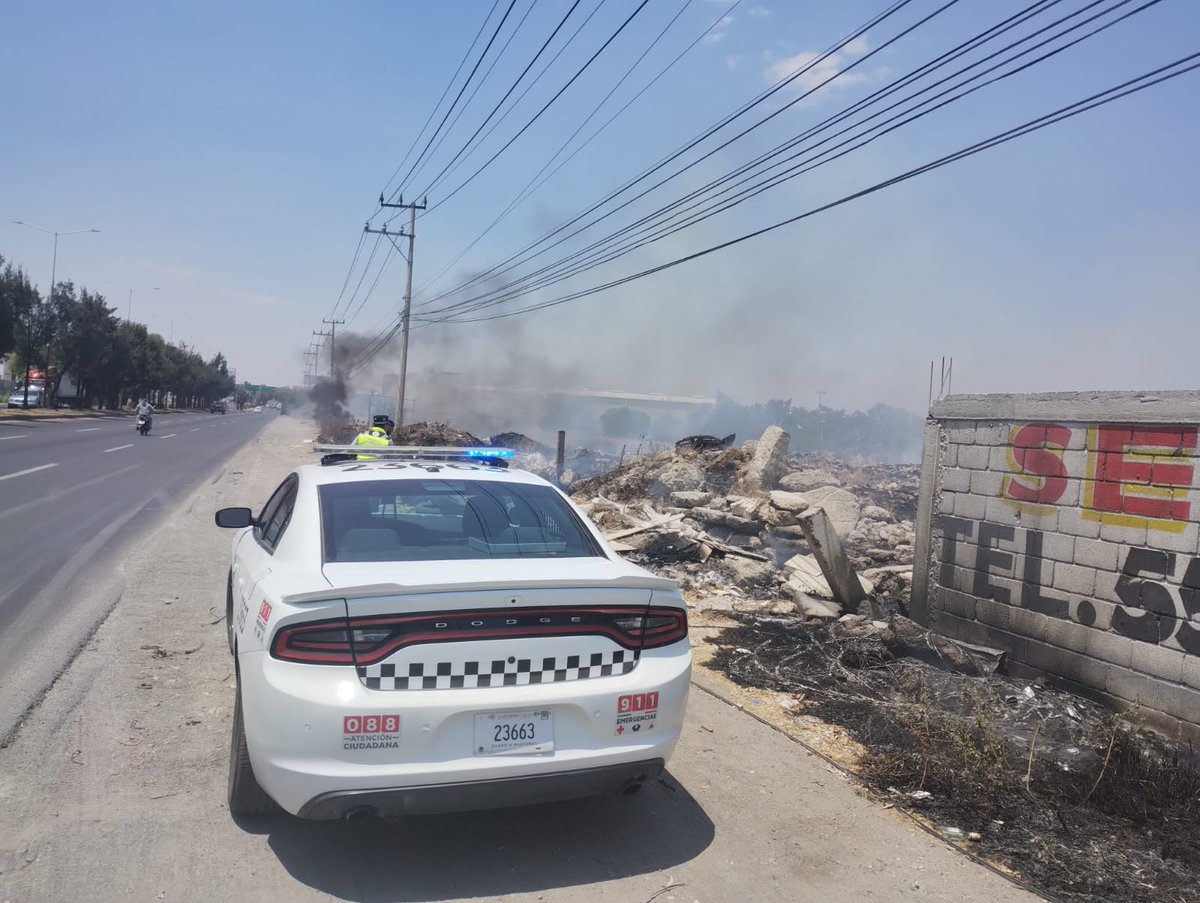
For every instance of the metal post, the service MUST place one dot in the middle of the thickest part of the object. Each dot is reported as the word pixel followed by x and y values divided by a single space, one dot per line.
pixel 560 459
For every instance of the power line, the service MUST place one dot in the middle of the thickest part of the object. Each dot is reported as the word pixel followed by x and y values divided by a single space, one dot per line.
pixel 387 262
pixel 445 91
pixel 529 87
pixel 808 67
pixel 349 273
pixel 578 263
pixel 530 187
pixel 479 83
pixel 458 97
pixel 504 265
pixel 547 106
pixel 781 83
pixel 507 94
pixel 366 269
pixel 1117 92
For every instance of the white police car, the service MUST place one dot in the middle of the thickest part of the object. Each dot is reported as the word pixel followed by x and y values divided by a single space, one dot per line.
pixel 430 631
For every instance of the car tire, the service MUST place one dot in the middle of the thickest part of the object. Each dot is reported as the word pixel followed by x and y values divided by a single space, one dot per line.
pixel 246 797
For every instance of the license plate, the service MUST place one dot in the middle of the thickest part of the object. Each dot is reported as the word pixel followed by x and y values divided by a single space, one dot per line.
pixel 514 733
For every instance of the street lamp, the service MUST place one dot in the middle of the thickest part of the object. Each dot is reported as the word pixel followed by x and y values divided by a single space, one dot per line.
pixel 129 310
pixel 50 294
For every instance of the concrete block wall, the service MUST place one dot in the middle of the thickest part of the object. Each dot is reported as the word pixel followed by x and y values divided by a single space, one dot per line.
pixel 1065 529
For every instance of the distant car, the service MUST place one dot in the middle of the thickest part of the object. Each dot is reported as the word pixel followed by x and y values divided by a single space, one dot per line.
pixel 258 409
pixel 217 407
pixel 18 398
pixel 437 633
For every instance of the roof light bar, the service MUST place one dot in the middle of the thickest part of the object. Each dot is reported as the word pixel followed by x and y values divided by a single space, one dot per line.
pixel 425 452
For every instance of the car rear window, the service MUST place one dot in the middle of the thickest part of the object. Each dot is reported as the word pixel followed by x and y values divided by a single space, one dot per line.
pixel 422 520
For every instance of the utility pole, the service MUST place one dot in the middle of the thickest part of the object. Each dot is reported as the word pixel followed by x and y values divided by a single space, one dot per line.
pixel 406 310
pixel 323 335
pixel 333 325
pixel 310 366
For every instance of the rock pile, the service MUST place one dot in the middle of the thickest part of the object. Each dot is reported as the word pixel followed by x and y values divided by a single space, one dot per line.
pixel 727 524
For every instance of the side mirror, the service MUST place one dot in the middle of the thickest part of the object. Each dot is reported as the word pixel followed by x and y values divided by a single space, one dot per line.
pixel 234 517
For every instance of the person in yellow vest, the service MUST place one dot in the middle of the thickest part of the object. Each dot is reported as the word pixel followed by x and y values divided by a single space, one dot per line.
pixel 374 437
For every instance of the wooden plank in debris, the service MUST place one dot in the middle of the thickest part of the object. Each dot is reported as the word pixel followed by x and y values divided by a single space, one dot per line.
pixel 642 528
pixel 726 549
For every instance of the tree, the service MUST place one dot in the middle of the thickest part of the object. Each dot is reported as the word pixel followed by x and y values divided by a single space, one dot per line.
pixel 17 296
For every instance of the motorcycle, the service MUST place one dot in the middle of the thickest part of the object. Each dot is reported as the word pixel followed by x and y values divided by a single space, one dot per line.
pixel 143 424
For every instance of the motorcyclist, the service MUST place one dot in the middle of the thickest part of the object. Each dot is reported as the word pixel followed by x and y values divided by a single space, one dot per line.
pixel 145 409
pixel 375 436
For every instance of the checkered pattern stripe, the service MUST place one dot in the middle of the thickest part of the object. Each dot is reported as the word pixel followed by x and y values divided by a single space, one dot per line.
pixel 507 672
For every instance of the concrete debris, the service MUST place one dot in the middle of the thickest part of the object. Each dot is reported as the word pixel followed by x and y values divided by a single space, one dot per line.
pixel 840 506
pixel 804 480
pixel 765 608
pixel 715 517
pixel 770 461
pixel 903 571
pixel 698 516
pixel 690 498
pixel 677 476
pixel 789 501
pixel 847 588
pixel 875 513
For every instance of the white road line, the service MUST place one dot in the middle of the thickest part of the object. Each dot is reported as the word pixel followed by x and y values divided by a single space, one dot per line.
pixel 90 429
pixel 194 429
pixel 22 436
pixel 118 448
pixel 169 436
pixel 21 473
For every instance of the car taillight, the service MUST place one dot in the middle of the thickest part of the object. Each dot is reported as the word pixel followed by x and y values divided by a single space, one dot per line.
pixel 323 644
pixel 658 627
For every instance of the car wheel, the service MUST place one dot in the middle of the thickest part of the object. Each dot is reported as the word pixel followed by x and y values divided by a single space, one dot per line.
pixel 229 612
pixel 245 796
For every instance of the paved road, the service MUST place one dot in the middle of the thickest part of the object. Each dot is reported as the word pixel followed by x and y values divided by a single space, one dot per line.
pixel 75 494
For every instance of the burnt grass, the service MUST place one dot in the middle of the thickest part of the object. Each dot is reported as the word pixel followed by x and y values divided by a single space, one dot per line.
pixel 1082 804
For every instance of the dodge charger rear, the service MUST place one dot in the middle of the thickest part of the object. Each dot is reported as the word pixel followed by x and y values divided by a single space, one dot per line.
pixel 419 636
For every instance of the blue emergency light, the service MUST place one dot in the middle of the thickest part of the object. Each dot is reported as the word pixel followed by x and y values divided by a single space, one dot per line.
pixel 491 453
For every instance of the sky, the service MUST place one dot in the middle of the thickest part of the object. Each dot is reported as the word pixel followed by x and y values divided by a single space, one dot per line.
pixel 230 155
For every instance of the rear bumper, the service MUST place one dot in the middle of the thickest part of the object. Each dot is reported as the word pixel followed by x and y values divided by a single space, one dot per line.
pixel 295 729
pixel 493 794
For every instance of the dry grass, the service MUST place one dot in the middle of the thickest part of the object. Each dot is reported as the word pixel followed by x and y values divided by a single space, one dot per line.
pixel 1078 801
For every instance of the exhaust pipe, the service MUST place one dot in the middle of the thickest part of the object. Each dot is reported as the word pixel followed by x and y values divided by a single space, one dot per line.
pixel 359 814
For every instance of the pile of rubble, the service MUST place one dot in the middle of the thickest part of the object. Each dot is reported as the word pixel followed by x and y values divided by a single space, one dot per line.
pixel 756 530
pixel 431 433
